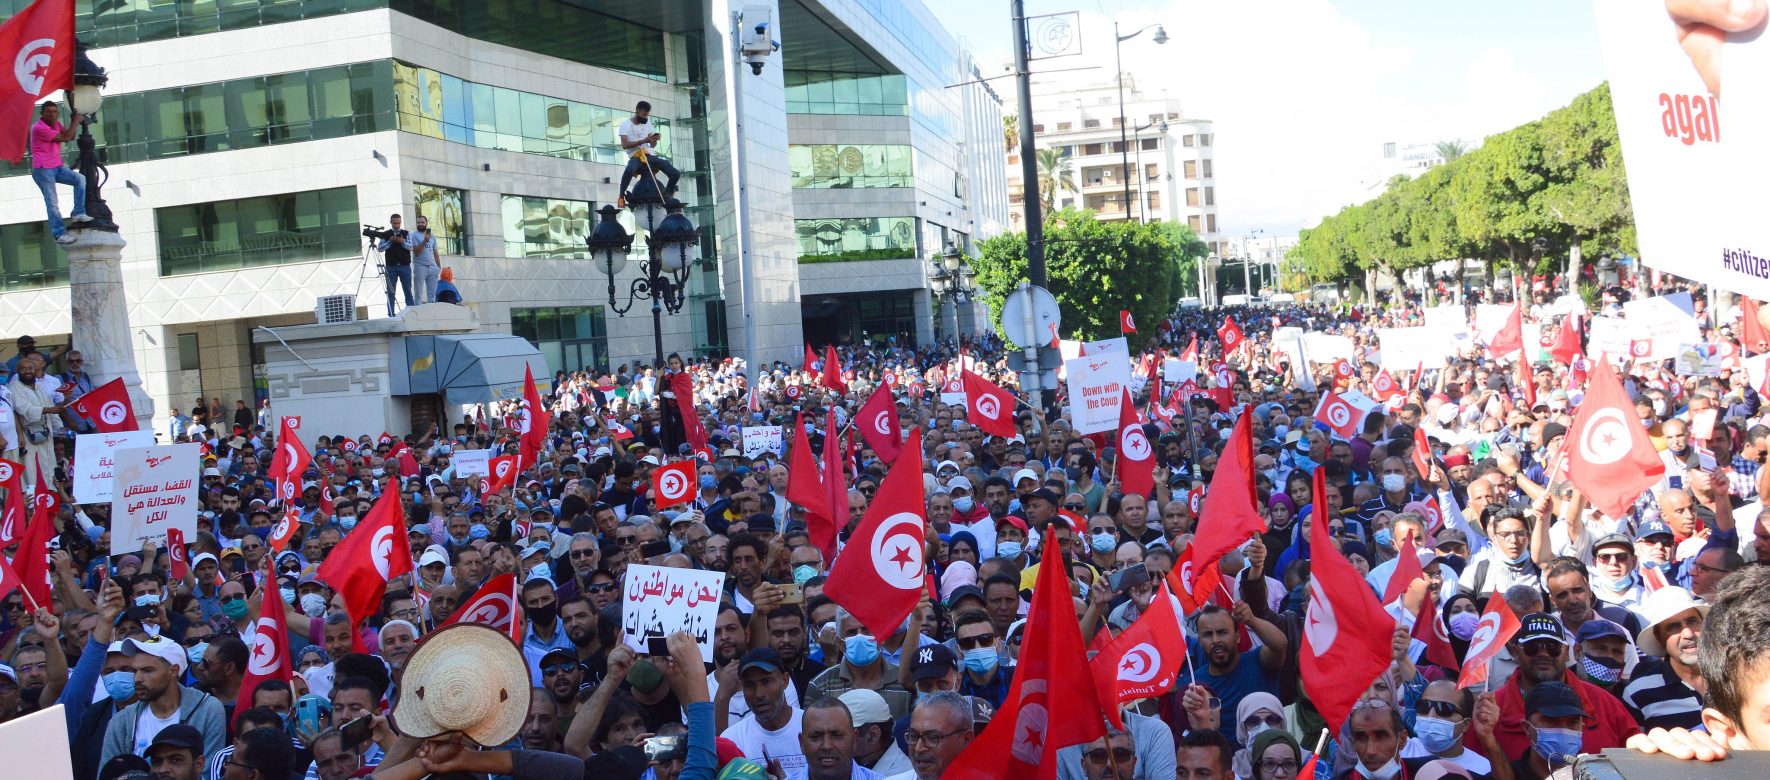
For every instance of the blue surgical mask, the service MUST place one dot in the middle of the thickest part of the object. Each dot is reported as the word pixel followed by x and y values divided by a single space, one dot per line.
pixel 1384 537
pixel 542 570
pixel 1394 483
pixel 479 531
pixel 1008 549
pixel 1619 586
pixel 1103 542
pixel 860 650
pixel 803 573
pixel 288 595
pixel 1437 734
pixel 1523 556
pixel 1558 746
pixel 263 533
pixel 120 685
pixel 964 504
pixel 347 522
pixel 1303 462
pixel 980 660
pixel 708 482
pixel 147 599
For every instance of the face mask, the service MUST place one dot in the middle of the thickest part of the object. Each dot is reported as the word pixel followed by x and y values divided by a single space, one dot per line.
pixel 478 531
pixel 1558 746
pixel 347 522
pixel 1384 772
pixel 1394 483
pixel 262 533
pixel 1384 537
pixel 542 570
pixel 288 595
pixel 980 660
pixel 803 573
pixel 313 605
pixel 1523 556
pixel 1437 734
pixel 120 685
pixel 152 629
pixel 860 650
pixel 1074 472
pixel 195 653
pixel 1255 732
pixel 1602 670
pixel 1303 462
pixel 708 482
pixel 147 599
pixel 544 615
pixel 1462 625
pixel 1659 408
pixel 1103 543
pixel 964 504
pixel 234 610
pixel 1008 549
pixel 1618 586
pixel 644 677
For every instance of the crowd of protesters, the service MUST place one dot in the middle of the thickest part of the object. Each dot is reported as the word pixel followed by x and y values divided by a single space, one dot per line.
pixel 1645 629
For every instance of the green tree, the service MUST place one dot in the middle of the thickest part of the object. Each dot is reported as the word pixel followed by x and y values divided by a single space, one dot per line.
pixel 1451 150
pixel 1010 131
pixel 1056 169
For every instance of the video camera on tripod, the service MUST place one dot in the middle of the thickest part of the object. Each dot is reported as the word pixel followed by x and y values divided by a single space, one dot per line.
pixel 379 233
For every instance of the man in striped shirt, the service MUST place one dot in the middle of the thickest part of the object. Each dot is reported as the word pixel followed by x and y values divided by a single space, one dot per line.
pixel 1663 691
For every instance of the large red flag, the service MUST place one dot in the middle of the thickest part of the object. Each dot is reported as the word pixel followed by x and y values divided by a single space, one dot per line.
pixel 1609 456
pixel 402 455
pixel 878 424
pixel 682 385
pixel 12 517
pixel 1429 628
pixel 832 374
pixel 1143 662
pixel 535 420
pixel 177 566
pixel 1335 412
pixel 9 579
pixel 988 407
pixel 1752 337
pixel 1229 517
pixel 879 576
pixel 290 462
pixel 1566 346
pixel 1407 569
pixel 1191 583
pixel 673 484
pixel 1049 706
pixel 108 407
pixel 1136 463
pixel 835 482
pixel 1191 353
pixel 39 42
pixel 806 488
pixel 1511 336
pixel 1496 628
pixel 1346 636
pixel 1527 382
pixel 1230 334
pixel 810 359
pixel 1383 386
pixel 269 656
pixel 491 605
pixel 371 555
pixel 501 474
pixel 31 561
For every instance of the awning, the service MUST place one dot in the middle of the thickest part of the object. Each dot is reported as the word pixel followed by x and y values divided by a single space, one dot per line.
pixel 473 368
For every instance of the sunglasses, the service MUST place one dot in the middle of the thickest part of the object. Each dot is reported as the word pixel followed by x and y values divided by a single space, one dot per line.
pixel 600 587
pixel 1542 647
pixel 1273 721
pixel 1098 756
pixel 583 553
pixel 1614 557
pixel 232 599
pixel 1075 507
pixel 974 642
pixel 1442 709
pixel 559 668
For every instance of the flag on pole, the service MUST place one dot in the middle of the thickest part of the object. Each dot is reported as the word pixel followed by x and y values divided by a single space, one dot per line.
pixel 39 42
pixel 108 407
pixel 880 576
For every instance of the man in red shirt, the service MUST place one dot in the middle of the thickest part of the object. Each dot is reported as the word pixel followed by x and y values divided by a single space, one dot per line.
pixel 1540 647
pixel 48 170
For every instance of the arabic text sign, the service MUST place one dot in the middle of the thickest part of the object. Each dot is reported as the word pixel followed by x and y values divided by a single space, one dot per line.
pixel 155 489
pixel 659 601
pixel 759 439
pixel 472 463
pixel 1096 385
pixel 95 462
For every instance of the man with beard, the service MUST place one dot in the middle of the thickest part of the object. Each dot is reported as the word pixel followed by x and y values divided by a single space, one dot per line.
pixel 1663 691
pixel 786 634
pixel 398 639
pixel 731 639
pixel 540 729
pixel 1231 675
pixel 562 674
pixel 772 728
pixel 827 736
pixel 1540 649
pixel 746 556
pixel 546 631
pixel 160 702
pixel 583 558
pixel 581 624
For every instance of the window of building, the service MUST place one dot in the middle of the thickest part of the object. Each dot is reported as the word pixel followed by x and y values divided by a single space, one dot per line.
pixel 1173 115
pixel 1038 128
pixel 190 356
pixel 1208 169
pixel 1089 149
pixel 1193 222
pixel 1150 144
pixel 29 257
pixel 1190 168
pixel 1192 196
pixel 1090 123
pixel 863 238
pixel 1069 203
pixel 438 105
pixel 270 230
pixel 1118 121
pixel 1188 140
pixel 446 209
pixel 1062 126
pixel 849 166
pixel 819 93
pixel 1097 202
pixel 1210 196
pixel 1204 140
pixel 570 338
pixel 1389 150
pixel 1155 200
pixel 1210 223
pixel 1152 171
pixel 547 227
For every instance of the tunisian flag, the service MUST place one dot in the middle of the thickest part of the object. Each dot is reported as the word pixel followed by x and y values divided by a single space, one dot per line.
pixel 1496 628
pixel 682 386
pixel 1347 636
pixel 491 605
pixel 1127 323
pixel 1383 387
pixel 832 376
pixel 1422 455
pixel 878 424
pixel 673 484
pixel 268 658
pixel 989 407
pixel 291 461
pixel 1752 337
pixel 108 407
pixel 1609 457
pixel 1511 336
pixel 1191 583
pixel 1338 414
pixel 371 555
pixel 535 420
pixel 1136 465
pixel 39 43
pixel 1191 353
pixel 31 561
pixel 810 359
pixel 806 488
pixel 1228 516
pixel 1566 345
pixel 501 473
pixel 835 482
pixel 12 517
pixel 1143 662
pixel 1049 706
pixel 880 574
pixel 1230 334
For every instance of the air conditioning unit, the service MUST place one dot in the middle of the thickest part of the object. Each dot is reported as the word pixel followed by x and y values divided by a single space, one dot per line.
pixel 335 309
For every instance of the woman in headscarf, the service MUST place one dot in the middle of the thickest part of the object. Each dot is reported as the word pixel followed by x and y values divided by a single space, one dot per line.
pixel 962 547
pixel 958 574
pixel 1257 714
pixel 1275 755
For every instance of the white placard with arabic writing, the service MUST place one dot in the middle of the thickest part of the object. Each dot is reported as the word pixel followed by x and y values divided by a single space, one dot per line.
pixel 95 460
pixel 659 601
pixel 155 489
pixel 762 439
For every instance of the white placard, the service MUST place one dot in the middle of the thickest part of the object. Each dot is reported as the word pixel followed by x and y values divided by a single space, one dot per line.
pixel 660 600
pixel 1451 318
pixel 472 463
pixel 1610 336
pixel 95 462
pixel 155 489
pixel 1117 344
pixel 1096 386
pixel 761 439
pixel 952 391
pixel 1667 320
pixel 1175 370
pixel 1490 319
pixel 36 745
pixel 1697 360
pixel 1327 347
pixel 1292 349
pixel 1406 349
pixel 1287 332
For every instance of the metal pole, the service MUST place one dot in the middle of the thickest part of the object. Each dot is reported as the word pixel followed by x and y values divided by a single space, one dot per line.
pixel 1029 174
pixel 747 282
pixel 1124 150
pixel 1142 197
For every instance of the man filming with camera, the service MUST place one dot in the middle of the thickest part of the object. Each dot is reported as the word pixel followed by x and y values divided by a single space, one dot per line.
pixel 396 256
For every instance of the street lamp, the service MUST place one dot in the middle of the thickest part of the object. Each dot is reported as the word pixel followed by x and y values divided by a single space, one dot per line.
pixel 952 280
pixel 1161 37
pixel 663 280
pixel 87 97
pixel 1137 139
pixel 1247 261
pixel 1607 271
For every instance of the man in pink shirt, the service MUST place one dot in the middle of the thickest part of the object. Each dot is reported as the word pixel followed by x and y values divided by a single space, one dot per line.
pixel 47 169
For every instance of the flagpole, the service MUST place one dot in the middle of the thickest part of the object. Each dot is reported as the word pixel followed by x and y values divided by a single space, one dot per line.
pixel 1320 743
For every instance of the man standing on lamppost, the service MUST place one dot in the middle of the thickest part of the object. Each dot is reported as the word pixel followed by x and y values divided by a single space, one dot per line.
pixel 48 170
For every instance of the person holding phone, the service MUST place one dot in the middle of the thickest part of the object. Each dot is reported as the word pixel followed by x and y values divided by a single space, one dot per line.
pixel 425 268
pixel 639 140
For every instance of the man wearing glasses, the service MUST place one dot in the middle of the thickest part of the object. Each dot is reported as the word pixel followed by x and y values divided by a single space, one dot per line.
pixel 75 383
pixel 1444 716
pixel 583 557
pixel 1540 648
pixel 1111 757
pixel 941 727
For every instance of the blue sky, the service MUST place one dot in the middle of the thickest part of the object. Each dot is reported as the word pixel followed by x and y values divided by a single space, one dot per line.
pixel 1304 92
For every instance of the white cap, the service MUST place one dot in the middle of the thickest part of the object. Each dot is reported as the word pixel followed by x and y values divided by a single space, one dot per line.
pixel 1025 474
pixel 432 555
pixel 866 706
pixel 945 464
pixel 211 472
pixel 958 483
pixel 652 459
pixel 158 647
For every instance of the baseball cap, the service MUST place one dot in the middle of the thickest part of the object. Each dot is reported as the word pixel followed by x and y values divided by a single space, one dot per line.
pixel 158 647
pixel 9 673
pixel 1610 539
pixel 1013 521
pixel 963 592
pixel 211 472
pixel 1540 625
pixel 1599 627
pixel 559 651
pixel 946 464
pixel 432 555
pixel 1654 527
pixel 934 661
pixel 1554 699
pixel 867 706
pixel 1553 431
pixel 178 735
pixel 958 483
pixel 1025 474
pixel 764 658
pixel 197 560
pixel 1043 494
pixel 742 769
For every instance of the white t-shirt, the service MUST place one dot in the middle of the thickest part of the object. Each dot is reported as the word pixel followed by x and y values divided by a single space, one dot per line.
pixel 147 726
pixel 761 745
pixel 1468 759
pixel 738 709
pixel 636 131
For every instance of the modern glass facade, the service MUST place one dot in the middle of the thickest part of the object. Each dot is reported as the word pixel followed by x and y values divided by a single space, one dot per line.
pixel 547 227
pixel 866 95
pixel 864 238
pixel 29 257
pixel 443 106
pixel 570 338
pixel 446 210
pixel 228 235
pixel 849 166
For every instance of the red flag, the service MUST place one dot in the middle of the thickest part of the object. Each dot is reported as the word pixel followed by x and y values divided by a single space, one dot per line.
pixel 1191 583
pixel 1191 353
pixel 291 461
pixel 805 488
pixel 535 420
pixel 1383 387
pixel 682 385
pixel 1127 324
pixel 1048 706
pixel 1566 346
pixel 1136 463
pixel 1653 578
pixel 9 579
pixel 879 576
pixel 327 505
pixel 1609 456
pixel 1527 382
pixel 1419 371
pixel 1434 515
pixel 1343 371
pixel 989 407
pixel 502 475
pixel 1422 454
pixel 673 484
pixel 1752 337
pixel 1144 661
pixel 1308 768
pixel 371 555
pixel 1056 340
pixel 1640 349
pixel 176 565
pixel 31 561
pixel 1407 569
pixel 1228 516
pixel 491 605
pixel 269 656
pixel 1230 334
pixel 1496 628
pixel 832 376
pixel 1335 412
pixel 39 42
pixel 108 407
pixel 878 424
pixel 12 518
pixel 1346 636
pixel 1511 336
pixel 810 359
pixel 408 463
pixel 1429 628
pixel 835 483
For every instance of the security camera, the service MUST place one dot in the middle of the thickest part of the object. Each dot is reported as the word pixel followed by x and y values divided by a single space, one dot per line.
pixel 756 45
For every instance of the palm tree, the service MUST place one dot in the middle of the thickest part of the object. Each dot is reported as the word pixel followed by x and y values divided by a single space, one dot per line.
pixel 1056 170
pixel 1451 150
pixel 1011 131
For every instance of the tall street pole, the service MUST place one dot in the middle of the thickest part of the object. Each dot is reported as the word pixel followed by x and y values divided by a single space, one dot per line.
pixel 1029 176
pixel 1118 64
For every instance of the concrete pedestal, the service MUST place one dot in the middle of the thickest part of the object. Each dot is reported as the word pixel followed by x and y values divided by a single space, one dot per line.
pixel 101 316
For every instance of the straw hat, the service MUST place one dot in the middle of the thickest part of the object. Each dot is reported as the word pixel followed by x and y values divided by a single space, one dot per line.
pixel 467 678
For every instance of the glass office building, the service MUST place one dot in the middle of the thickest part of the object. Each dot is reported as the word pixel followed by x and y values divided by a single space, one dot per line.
pixel 250 141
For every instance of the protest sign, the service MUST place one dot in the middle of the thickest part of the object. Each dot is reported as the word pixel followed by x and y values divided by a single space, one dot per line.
pixel 1407 349
pixel 1668 320
pixel 155 489
pixel 952 391
pixel 472 463
pixel 1610 336
pixel 1327 347
pixel 1490 319
pixel 659 601
pixel 1175 370
pixel 1293 351
pixel 95 462
pixel 759 439
pixel 36 745
pixel 1696 360
pixel 1450 318
pixel 1096 383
